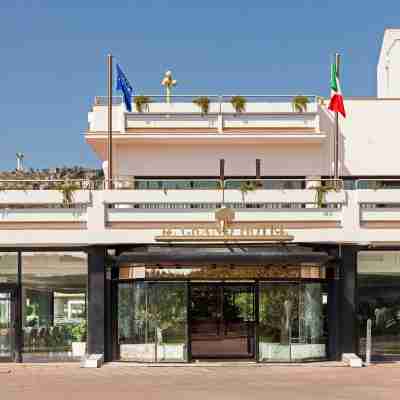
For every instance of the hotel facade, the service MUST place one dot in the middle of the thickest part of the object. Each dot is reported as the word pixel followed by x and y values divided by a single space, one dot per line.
pixel 222 236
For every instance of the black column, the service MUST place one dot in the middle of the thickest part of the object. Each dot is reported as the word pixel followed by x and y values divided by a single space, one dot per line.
pixel 348 306
pixel 112 348
pixel 96 340
pixel 333 312
pixel 19 334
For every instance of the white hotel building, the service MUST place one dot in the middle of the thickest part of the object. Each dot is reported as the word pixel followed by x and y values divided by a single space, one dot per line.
pixel 294 273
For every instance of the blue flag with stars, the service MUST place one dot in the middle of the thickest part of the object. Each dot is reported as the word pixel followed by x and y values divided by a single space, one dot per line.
pixel 126 88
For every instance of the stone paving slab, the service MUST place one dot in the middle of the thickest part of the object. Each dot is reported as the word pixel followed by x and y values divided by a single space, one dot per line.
pixel 204 382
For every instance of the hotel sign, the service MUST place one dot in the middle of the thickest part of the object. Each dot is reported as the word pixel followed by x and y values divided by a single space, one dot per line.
pixel 225 232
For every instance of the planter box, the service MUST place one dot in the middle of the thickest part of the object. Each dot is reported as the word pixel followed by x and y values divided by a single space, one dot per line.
pixel 293 352
pixel 274 352
pixel 308 351
pixel 78 349
pixel 147 352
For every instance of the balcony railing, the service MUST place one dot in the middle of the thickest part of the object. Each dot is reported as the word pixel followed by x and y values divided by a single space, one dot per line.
pixel 262 115
pixel 154 203
pixel 221 103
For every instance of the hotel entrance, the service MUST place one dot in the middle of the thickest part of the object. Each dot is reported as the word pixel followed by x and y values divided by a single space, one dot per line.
pixel 222 320
pixel 268 304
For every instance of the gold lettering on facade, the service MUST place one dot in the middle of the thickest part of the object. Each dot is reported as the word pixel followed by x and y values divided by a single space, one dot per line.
pixel 224 231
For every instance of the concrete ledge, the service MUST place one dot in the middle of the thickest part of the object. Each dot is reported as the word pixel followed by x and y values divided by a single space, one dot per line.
pixel 217 364
pixel 92 361
pixel 352 360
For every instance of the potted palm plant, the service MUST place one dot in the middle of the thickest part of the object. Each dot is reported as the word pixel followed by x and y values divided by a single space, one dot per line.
pixel 142 103
pixel 321 191
pixel 300 103
pixel 247 186
pixel 204 104
pixel 67 189
pixel 238 103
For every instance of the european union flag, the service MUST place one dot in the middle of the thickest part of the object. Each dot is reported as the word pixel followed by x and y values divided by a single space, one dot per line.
pixel 126 88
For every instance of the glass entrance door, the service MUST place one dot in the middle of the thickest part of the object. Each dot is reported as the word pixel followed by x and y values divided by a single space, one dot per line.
pixel 222 320
pixel 6 326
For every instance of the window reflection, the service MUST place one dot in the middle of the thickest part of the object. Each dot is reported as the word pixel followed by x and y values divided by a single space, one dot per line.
pixel 379 300
pixel 291 326
pixel 8 267
pixel 152 320
pixel 54 305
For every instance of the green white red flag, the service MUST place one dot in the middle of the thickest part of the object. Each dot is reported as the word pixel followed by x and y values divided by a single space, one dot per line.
pixel 336 104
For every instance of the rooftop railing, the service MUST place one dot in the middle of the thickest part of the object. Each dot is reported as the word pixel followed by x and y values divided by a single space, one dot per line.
pixel 221 103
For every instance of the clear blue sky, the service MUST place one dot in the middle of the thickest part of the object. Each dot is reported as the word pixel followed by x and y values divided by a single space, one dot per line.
pixel 53 58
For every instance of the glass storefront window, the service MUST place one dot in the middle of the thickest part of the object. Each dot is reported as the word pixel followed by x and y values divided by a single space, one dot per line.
pixel 54 305
pixel 8 267
pixel 379 300
pixel 152 321
pixel 291 322
pixel 5 325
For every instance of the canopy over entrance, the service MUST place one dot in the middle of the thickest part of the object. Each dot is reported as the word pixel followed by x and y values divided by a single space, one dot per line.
pixel 223 255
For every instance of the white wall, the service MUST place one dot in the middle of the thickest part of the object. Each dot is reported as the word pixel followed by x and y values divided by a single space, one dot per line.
pixel 388 70
pixel 98 118
pixel 203 160
pixel 371 137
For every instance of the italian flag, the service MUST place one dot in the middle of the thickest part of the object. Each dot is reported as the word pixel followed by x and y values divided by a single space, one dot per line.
pixel 336 104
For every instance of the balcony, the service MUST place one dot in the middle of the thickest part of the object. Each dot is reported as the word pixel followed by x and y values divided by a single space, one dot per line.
pixel 271 118
pixel 39 205
pixel 184 202
pixel 379 202
pixel 137 210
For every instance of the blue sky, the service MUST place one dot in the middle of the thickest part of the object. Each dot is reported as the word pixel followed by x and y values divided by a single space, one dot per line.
pixel 53 58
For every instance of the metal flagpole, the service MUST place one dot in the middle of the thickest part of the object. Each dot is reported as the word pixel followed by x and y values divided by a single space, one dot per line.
pixel 109 149
pixel 336 148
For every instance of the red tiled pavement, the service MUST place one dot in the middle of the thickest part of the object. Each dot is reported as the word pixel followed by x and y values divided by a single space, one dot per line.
pixel 59 382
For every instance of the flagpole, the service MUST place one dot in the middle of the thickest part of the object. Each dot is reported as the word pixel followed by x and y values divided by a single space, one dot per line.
pixel 109 143
pixel 336 147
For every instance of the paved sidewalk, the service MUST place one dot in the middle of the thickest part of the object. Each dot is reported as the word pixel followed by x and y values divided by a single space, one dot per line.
pixel 59 382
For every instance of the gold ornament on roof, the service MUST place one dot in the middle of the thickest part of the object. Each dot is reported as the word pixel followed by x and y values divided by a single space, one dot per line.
pixel 168 82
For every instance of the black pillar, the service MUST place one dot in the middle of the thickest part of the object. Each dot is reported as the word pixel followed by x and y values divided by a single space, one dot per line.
pixel 222 169
pixel 258 168
pixel 112 348
pixel 96 338
pixel 348 303
pixel 333 312
pixel 19 334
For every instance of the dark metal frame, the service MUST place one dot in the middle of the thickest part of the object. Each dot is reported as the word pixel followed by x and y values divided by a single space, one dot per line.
pixel 256 290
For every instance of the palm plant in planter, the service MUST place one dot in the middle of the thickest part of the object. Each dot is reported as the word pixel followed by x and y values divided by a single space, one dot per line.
pixel 300 103
pixel 321 191
pixel 142 103
pixel 67 189
pixel 238 103
pixel 247 186
pixel 204 104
